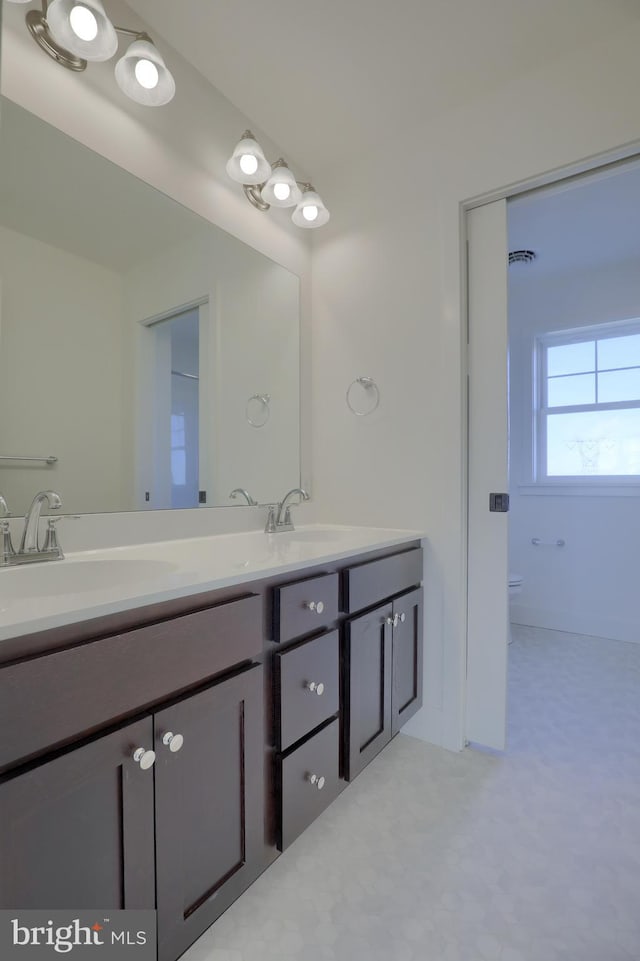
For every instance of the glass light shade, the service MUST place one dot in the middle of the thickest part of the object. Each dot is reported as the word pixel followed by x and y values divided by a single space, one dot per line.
pixel 310 212
pixel 281 189
pixel 248 156
pixel 143 75
pixel 102 46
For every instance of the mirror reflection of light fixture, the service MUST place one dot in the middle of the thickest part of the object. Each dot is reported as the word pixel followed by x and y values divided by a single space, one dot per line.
pixel 274 185
pixel 74 32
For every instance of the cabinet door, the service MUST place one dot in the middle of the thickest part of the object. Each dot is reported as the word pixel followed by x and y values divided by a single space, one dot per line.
pixel 209 806
pixel 77 831
pixel 368 649
pixel 406 696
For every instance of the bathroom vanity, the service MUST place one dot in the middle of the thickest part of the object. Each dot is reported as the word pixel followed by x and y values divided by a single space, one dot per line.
pixel 163 740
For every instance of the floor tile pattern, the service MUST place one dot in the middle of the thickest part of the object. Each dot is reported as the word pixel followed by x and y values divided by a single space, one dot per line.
pixel 533 855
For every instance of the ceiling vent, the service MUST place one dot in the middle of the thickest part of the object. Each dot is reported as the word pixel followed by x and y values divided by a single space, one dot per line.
pixel 521 256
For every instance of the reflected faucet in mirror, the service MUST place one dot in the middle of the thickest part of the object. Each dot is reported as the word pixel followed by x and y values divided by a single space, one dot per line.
pixel 30 550
pixel 279 517
pixel 240 491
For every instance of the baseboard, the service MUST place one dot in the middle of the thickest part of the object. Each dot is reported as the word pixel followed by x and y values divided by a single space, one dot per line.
pixel 573 623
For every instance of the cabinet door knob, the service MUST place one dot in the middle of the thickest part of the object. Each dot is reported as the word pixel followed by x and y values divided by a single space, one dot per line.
pixel 317 782
pixel 317 606
pixel 315 688
pixel 402 617
pixel 173 741
pixel 145 759
pixel 390 621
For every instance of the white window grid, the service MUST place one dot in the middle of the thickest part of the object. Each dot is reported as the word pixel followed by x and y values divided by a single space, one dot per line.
pixel 541 409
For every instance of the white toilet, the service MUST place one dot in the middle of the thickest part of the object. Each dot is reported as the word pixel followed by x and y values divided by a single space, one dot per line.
pixel 515 587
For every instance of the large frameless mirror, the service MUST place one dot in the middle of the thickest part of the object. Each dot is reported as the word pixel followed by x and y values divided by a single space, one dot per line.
pixel 148 359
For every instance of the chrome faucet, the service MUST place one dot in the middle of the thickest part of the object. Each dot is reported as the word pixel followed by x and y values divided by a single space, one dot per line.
pixel 279 517
pixel 30 550
pixel 243 493
pixel 29 542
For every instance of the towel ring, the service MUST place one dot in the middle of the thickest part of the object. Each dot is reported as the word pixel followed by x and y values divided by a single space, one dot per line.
pixel 369 396
pixel 258 410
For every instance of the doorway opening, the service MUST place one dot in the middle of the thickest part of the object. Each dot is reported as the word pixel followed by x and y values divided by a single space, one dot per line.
pixel 565 424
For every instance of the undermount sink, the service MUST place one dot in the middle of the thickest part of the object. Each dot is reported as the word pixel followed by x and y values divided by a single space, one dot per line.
pixel 320 535
pixel 75 577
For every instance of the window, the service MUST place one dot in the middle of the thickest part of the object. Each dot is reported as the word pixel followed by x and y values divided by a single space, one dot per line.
pixel 587 415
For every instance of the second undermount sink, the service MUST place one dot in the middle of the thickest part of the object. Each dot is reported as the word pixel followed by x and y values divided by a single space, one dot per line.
pixel 320 535
pixel 76 577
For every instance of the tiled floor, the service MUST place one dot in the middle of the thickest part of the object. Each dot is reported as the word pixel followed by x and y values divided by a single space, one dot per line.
pixel 433 856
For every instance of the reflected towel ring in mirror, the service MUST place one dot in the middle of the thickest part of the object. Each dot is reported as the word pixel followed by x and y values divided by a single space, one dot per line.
pixel 363 396
pixel 258 410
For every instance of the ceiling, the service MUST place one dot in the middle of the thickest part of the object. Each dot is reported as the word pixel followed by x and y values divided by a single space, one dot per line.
pixel 326 80
pixel 581 224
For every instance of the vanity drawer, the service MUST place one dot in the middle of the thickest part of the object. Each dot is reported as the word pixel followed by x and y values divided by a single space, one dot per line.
pixel 60 697
pixel 304 606
pixel 298 708
pixel 367 584
pixel 303 793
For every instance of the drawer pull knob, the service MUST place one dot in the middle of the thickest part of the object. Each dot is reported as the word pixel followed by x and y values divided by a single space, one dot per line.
pixel 317 782
pixel 145 759
pixel 317 606
pixel 173 741
pixel 315 688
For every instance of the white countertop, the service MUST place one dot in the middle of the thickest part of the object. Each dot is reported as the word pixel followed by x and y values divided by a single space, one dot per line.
pixel 91 584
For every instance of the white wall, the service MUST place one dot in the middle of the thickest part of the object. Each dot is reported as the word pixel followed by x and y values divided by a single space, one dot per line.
pixel 60 395
pixel 387 303
pixel 590 585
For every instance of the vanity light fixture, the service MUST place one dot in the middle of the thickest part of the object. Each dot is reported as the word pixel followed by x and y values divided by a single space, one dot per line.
pixel 273 185
pixel 73 33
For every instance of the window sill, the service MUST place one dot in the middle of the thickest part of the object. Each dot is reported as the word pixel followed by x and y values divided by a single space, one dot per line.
pixel 585 489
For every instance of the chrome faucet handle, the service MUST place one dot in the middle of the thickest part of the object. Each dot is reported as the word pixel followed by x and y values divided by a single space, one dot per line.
pixel 51 543
pixel 4 508
pixel 270 527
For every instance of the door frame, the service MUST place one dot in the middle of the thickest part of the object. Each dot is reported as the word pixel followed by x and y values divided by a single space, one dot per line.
pixel 581 169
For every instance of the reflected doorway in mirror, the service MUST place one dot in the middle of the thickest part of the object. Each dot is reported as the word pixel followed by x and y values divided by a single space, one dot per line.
pixel 171 444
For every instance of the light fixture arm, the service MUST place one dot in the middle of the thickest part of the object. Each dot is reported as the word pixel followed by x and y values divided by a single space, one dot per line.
pixel 136 34
pixel 38 27
pixel 253 195
pixel 253 192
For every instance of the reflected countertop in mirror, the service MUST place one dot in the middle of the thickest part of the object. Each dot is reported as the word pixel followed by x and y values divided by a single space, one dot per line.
pixel 148 359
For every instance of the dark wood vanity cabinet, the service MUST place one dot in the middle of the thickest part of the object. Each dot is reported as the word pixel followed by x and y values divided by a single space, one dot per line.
pixel 366 694
pixel 96 828
pixel 258 708
pixel 209 804
pixel 77 831
pixel 383 656
pixel 408 653
pixel 165 812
